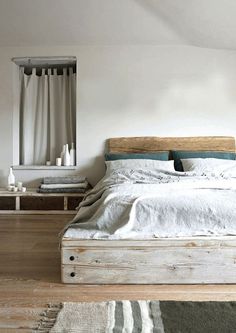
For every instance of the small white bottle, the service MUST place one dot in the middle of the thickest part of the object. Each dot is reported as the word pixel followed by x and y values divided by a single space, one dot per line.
pixel 72 154
pixel 66 157
pixel 11 178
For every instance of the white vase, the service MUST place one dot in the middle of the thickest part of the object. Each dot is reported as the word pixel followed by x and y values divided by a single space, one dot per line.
pixel 11 178
pixel 72 154
pixel 66 157
pixel 62 153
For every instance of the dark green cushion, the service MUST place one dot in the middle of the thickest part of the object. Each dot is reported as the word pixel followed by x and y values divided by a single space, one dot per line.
pixel 181 154
pixel 162 156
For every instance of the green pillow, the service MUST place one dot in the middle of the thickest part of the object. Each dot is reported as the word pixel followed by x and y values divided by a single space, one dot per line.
pixel 183 154
pixel 162 156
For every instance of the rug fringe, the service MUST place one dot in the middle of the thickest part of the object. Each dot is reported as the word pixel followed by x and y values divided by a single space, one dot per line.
pixel 48 318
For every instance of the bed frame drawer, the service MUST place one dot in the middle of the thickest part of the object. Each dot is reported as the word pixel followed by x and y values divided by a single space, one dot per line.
pixel 42 203
pixel 7 203
pixel 73 202
pixel 32 202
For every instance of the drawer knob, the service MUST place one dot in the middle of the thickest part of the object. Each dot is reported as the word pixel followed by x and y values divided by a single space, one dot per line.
pixel 72 274
pixel 72 258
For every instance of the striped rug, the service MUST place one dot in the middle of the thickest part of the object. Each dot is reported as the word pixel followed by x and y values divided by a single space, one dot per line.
pixel 140 317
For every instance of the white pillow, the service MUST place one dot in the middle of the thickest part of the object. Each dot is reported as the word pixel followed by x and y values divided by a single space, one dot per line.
pixel 140 164
pixel 214 166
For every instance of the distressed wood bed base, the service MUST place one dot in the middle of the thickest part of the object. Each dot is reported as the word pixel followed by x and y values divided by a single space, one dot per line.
pixel 196 260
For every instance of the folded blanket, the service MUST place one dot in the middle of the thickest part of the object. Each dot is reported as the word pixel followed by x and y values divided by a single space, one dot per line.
pixel 63 186
pixel 64 180
pixel 62 190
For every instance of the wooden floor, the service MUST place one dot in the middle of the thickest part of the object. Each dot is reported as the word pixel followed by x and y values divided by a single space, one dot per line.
pixel 30 275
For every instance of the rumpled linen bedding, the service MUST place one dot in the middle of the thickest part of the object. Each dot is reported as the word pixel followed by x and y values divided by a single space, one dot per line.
pixel 147 204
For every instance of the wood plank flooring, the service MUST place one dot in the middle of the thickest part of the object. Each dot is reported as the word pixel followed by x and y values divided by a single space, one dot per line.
pixel 30 275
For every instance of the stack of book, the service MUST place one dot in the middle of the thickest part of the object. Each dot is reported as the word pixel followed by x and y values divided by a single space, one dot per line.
pixel 68 184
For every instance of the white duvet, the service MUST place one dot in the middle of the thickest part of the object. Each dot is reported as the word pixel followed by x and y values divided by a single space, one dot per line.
pixel 147 204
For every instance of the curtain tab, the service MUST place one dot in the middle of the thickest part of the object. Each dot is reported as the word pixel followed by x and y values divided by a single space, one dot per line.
pixel 33 71
pixel 21 71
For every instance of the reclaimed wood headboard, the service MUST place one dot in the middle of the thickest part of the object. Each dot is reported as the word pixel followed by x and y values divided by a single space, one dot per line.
pixel 153 144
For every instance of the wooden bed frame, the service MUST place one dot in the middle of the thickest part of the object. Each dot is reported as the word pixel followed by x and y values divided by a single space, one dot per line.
pixel 196 260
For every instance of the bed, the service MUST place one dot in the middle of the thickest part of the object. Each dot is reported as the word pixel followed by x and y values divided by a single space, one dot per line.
pixel 207 259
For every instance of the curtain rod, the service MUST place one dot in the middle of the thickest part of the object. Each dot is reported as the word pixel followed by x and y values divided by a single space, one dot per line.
pixel 44 61
pixel 72 58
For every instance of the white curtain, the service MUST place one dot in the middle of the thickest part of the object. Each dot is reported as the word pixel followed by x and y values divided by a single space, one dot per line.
pixel 47 114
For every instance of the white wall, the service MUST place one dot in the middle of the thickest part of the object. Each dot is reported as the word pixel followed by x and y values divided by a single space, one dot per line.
pixel 133 91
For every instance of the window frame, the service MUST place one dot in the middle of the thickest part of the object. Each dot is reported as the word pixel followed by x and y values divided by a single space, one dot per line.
pixel 16 117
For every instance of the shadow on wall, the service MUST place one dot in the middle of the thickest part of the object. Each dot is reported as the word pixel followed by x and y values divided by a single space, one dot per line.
pixel 3 179
pixel 95 170
pixel 200 23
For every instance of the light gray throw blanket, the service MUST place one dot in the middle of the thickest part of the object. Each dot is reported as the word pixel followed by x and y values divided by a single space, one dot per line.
pixel 64 180
pixel 145 204
pixel 63 186
pixel 61 190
